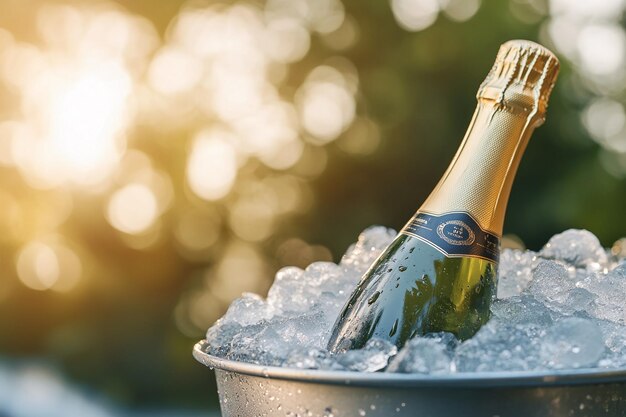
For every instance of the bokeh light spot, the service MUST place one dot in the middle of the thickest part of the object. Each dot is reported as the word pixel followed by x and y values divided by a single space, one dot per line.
pixel 415 15
pixel 286 40
pixel 43 266
pixel 174 71
pixel 601 48
pixel 326 104
pixel 212 165
pixel 460 10
pixel 132 209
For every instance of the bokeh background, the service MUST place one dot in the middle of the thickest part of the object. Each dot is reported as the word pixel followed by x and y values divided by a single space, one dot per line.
pixel 157 159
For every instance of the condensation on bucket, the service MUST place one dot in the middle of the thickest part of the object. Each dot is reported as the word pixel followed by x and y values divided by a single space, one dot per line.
pixel 253 391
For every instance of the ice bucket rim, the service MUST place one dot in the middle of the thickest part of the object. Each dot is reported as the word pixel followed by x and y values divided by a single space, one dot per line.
pixel 460 380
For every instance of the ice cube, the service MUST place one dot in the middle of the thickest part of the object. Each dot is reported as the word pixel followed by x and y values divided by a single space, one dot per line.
pixel 306 330
pixel 423 355
pixel 572 343
pixel 373 357
pixel 500 347
pixel 295 290
pixel 332 293
pixel 220 337
pixel 612 360
pixel 372 241
pixel 581 248
pixel 524 309
pixel 515 271
pixel 610 291
pixel 311 359
pixel 577 302
pixel 248 309
pixel 263 346
pixel 550 282
pixel 614 336
pixel 286 292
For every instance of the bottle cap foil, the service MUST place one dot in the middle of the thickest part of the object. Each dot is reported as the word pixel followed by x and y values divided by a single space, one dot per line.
pixel 522 77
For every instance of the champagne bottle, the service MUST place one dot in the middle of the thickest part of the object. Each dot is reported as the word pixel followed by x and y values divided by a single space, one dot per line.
pixel 439 273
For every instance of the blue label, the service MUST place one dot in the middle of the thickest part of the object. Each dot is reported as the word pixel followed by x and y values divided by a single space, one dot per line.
pixel 454 234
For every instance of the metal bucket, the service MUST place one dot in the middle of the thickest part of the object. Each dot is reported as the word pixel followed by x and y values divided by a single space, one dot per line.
pixel 248 390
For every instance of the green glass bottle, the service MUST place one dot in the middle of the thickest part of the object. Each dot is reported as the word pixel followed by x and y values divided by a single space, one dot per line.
pixel 439 273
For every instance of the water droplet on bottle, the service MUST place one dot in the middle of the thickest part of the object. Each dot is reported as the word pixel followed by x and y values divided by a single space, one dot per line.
pixel 394 328
pixel 373 298
pixel 390 269
pixel 362 412
pixel 411 250
pixel 402 268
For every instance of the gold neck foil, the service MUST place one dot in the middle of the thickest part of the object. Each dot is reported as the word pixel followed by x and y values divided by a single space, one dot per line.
pixel 512 101
pixel 522 78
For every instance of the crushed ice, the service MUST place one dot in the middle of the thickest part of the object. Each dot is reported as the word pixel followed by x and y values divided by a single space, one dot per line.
pixel 563 307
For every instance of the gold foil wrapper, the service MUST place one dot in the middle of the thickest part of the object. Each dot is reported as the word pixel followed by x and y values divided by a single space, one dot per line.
pixel 521 78
pixel 512 101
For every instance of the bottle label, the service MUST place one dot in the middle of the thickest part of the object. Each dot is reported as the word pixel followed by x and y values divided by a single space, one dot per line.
pixel 454 234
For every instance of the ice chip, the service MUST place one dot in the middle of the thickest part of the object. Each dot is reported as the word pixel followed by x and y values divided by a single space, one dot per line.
pixel 306 330
pixel 373 357
pixel 612 360
pixel 286 292
pixel 311 359
pixel 500 347
pixel 515 272
pixel 577 301
pixel 432 355
pixel 610 291
pixel 295 290
pixel 330 280
pixel 318 274
pixel 619 274
pixel 372 241
pixel 220 337
pixel 264 347
pixel 572 343
pixel 550 282
pixel 614 336
pixel 580 248
pixel 248 309
pixel 524 309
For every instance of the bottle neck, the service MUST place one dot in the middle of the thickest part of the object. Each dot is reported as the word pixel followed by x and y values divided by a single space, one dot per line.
pixel 479 179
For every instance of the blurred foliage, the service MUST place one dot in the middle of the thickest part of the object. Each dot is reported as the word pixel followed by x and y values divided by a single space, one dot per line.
pixel 113 273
